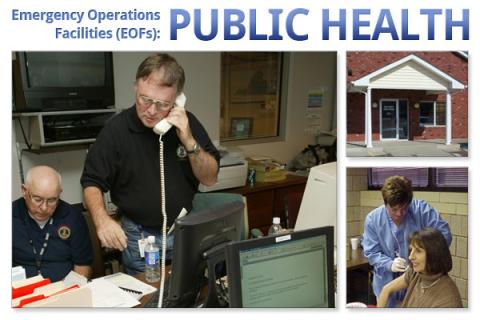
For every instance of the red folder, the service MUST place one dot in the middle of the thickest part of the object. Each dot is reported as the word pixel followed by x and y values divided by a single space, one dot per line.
pixel 30 300
pixel 42 296
pixel 28 289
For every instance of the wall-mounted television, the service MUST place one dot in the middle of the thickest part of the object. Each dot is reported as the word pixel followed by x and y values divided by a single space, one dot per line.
pixel 62 81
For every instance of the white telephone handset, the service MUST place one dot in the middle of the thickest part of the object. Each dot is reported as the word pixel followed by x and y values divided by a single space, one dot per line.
pixel 163 126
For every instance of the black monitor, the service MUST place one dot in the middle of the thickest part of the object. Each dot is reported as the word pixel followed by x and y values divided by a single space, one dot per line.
pixel 62 81
pixel 291 270
pixel 195 234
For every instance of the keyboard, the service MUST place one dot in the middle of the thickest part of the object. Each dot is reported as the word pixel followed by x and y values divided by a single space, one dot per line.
pixel 153 302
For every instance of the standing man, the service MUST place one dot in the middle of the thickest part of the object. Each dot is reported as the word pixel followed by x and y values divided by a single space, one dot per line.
pixel 125 161
pixel 387 228
pixel 50 237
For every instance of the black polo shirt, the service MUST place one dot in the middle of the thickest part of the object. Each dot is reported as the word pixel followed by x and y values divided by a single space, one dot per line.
pixel 68 244
pixel 125 161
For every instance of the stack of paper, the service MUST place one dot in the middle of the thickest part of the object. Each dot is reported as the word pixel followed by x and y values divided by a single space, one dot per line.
pixel 108 295
pixel 129 284
pixel 18 273
pixel 116 290
pixel 267 170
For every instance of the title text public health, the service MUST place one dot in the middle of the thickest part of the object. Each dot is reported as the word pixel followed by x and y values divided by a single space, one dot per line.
pixel 237 24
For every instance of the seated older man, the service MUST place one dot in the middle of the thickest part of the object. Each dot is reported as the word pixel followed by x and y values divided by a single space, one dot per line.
pixel 50 236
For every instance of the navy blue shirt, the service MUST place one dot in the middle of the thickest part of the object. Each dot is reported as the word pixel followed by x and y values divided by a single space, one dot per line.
pixel 68 244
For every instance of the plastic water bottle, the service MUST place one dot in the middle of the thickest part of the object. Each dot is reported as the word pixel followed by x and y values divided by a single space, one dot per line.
pixel 152 259
pixel 275 227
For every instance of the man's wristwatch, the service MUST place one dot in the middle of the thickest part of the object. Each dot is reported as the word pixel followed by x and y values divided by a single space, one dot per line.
pixel 195 150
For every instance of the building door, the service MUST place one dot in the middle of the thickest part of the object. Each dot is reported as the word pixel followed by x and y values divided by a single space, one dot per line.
pixel 402 119
pixel 393 119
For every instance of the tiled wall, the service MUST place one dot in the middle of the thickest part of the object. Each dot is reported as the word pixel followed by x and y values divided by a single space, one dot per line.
pixel 453 207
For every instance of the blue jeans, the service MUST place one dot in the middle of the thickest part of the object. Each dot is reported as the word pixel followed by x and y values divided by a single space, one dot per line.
pixel 133 263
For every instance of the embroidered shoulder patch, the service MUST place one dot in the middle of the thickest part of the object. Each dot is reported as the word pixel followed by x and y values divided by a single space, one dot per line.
pixel 64 232
pixel 181 152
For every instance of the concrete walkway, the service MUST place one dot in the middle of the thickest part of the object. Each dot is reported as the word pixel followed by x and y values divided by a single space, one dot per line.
pixel 425 148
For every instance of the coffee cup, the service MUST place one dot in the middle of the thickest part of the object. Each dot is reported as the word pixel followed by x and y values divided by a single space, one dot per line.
pixel 354 242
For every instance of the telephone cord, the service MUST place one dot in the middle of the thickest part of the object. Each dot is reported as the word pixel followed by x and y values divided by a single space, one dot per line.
pixel 164 224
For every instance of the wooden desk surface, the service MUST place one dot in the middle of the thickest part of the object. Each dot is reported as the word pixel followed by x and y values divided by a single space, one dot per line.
pixel 290 180
pixel 357 260
pixel 146 298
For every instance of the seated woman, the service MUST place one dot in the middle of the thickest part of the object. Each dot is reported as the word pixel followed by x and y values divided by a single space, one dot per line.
pixel 426 279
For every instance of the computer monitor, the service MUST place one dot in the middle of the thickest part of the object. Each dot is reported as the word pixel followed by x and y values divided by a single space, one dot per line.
pixel 194 235
pixel 291 270
pixel 319 202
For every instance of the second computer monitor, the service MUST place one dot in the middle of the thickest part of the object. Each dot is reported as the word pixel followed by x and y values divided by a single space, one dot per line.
pixel 195 234
pixel 293 270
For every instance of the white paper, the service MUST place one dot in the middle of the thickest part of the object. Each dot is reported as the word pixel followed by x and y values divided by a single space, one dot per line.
pixel 107 295
pixel 123 280
pixel 73 278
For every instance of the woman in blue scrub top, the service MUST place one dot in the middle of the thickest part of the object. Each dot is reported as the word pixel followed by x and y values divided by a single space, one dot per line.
pixel 385 238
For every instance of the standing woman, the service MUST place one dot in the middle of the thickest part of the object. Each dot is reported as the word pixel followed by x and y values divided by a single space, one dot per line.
pixel 426 279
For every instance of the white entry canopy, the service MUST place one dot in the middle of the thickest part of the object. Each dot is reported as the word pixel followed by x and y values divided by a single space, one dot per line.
pixel 409 73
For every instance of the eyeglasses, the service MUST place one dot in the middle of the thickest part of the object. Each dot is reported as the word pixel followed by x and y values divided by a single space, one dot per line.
pixel 39 201
pixel 159 104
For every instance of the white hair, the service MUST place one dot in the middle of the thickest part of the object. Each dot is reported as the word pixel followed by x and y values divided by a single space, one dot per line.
pixel 29 178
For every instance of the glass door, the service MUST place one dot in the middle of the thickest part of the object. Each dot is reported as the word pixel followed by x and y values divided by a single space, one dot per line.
pixel 388 121
pixel 403 119
pixel 394 119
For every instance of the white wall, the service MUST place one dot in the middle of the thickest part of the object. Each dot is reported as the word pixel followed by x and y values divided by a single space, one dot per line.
pixel 308 70
pixel 202 85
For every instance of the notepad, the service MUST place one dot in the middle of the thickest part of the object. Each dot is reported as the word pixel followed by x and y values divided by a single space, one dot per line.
pixel 107 295
pixel 129 284
pixel 136 294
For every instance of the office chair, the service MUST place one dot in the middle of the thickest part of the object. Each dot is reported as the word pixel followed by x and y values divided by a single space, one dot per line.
pixel 98 265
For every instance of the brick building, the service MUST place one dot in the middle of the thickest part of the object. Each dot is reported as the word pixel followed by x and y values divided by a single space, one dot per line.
pixel 413 96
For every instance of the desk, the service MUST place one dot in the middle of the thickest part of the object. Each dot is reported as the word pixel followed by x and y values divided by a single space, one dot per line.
pixel 146 298
pixel 357 260
pixel 359 286
pixel 266 200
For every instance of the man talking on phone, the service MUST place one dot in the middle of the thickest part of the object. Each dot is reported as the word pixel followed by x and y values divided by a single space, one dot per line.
pixel 125 161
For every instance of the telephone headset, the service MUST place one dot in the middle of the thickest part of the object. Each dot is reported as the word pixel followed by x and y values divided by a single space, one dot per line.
pixel 161 128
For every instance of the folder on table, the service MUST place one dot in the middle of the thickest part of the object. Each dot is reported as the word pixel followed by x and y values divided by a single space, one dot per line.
pixel 27 286
pixel 42 292
pixel 72 298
